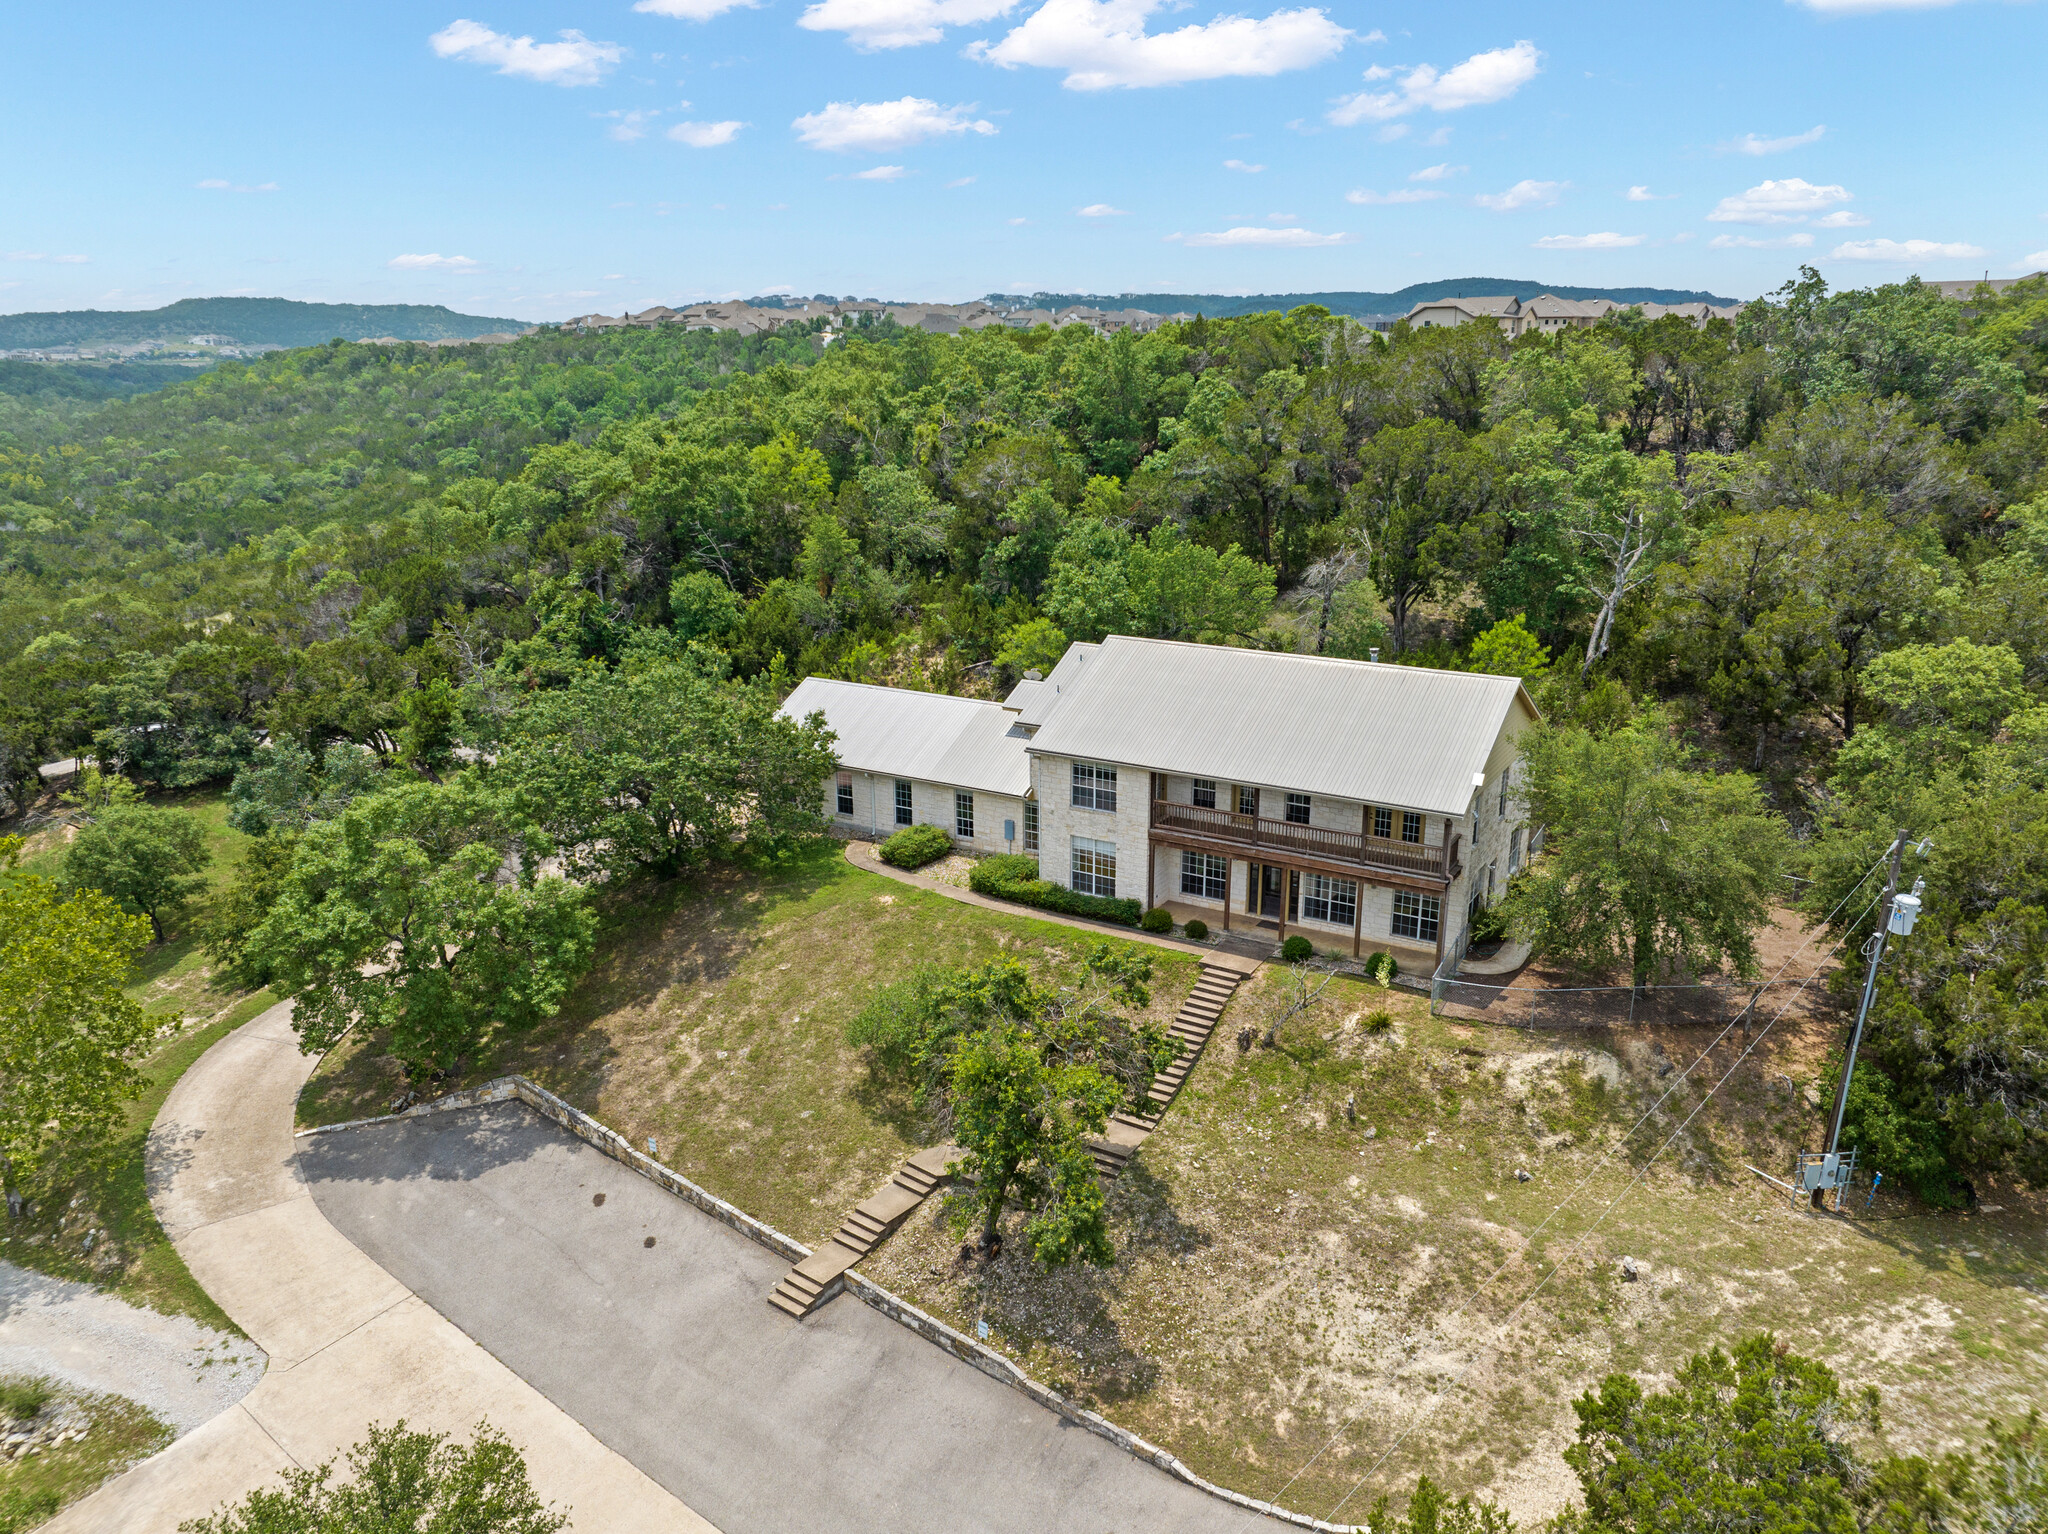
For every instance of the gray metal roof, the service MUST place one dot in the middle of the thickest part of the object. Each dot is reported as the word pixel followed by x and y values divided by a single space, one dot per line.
pixel 1037 707
pixel 929 736
pixel 1382 734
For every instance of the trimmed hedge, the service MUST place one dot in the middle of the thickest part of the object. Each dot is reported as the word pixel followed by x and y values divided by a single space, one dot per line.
pixel 1156 920
pixel 1014 876
pixel 915 846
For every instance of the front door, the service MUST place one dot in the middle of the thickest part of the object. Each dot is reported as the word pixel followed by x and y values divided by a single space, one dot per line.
pixel 1270 886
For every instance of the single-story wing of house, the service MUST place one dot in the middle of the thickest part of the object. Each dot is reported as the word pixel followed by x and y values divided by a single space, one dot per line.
pixel 1362 804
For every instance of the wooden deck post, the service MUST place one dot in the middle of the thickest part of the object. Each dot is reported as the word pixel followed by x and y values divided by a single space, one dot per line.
pixel 1284 872
pixel 1357 913
pixel 1229 873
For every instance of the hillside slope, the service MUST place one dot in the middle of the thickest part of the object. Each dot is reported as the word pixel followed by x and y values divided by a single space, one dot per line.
pixel 251 321
pixel 1226 305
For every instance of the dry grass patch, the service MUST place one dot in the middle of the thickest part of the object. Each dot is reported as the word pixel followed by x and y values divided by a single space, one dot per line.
pixel 715 1023
pixel 1284 1270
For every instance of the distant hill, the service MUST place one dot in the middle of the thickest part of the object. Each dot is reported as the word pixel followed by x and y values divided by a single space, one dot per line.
pixel 1225 305
pixel 251 321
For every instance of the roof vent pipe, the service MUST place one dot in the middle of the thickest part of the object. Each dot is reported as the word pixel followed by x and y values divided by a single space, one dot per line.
pixel 1374 652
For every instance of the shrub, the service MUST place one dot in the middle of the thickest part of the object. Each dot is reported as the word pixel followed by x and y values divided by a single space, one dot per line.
pixel 22 1399
pixel 1158 919
pixel 1014 876
pixel 1490 925
pixel 1197 929
pixel 1296 949
pixel 1380 969
pixel 915 846
pixel 1379 1021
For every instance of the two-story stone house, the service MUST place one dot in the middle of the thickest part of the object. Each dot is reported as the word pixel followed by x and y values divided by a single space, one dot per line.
pixel 1364 805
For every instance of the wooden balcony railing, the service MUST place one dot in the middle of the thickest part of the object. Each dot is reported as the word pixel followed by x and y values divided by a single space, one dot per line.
pixel 1255 833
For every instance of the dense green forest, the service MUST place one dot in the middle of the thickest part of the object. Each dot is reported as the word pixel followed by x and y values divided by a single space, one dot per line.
pixel 1807 552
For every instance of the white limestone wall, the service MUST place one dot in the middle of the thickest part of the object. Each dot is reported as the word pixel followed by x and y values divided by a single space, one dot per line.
pixel 874 812
pixel 1128 826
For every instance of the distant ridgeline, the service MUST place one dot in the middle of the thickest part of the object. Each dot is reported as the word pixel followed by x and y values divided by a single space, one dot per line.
pixel 1226 305
pixel 250 321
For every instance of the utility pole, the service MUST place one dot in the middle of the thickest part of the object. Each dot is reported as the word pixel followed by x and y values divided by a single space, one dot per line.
pixel 1884 924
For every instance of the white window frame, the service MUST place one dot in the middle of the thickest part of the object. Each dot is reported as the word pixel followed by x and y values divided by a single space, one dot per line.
pixel 1030 825
pixel 1304 804
pixel 1337 899
pixel 1093 867
pixel 1094 786
pixel 1204 875
pixel 1421 921
pixel 1411 820
pixel 1198 787
pixel 842 798
pixel 1514 851
pixel 963 814
pixel 906 802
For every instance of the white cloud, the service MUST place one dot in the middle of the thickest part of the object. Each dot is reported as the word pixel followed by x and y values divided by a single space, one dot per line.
pixel 431 263
pixel 1789 201
pixel 1523 194
pixel 1283 218
pixel 881 173
pixel 1101 210
pixel 1865 7
pixel 575 60
pixel 1751 143
pixel 1103 43
pixel 2037 261
pixel 1249 170
pixel 689 10
pixel 1366 199
pixel 1438 172
pixel 1841 219
pixel 37 255
pixel 959 181
pixel 878 126
pixel 1481 80
pixel 1605 240
pixel 871 24
pixel 216 185
pixel 1750 242
pixel 705 135
pixel 1904 250
pixel 630 125
pixel 1279 239
pixel 1644 194
pixel 1392 133
pixel 1018 223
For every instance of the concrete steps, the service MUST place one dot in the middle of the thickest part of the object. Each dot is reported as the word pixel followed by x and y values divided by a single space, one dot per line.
pixel 817 1278
pixel 1191 1028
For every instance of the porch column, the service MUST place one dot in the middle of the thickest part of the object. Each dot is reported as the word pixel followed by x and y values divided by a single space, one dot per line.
pixel 1229 873
pixel 1284 875
pixel 1357 914
pixel 1151 870
pixel 1443 917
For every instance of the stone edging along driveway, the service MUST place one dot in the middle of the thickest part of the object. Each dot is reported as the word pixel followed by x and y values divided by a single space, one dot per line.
pixel 995 1365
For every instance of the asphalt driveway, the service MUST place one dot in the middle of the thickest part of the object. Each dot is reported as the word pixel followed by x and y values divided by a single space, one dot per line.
pixel 670 1355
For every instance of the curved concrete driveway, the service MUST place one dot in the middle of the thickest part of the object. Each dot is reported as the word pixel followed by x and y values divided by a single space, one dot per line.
pixel 348 1343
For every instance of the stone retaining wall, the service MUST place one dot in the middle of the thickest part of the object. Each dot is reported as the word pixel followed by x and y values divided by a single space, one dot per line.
pixel 979 1356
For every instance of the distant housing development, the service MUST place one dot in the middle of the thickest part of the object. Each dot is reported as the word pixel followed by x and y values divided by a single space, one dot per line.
pixel 842 315
pixel 1365 806
pixel 1546 313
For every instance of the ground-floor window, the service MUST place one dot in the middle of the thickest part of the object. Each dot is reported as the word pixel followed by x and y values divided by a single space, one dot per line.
pixel 1326 899
pixel 963 813
pixel 1094 867
pixel 1514 851
pixel 1417 916
pixel 1204 874
pixel 1030 825
pixel 845 793
pixel 903 803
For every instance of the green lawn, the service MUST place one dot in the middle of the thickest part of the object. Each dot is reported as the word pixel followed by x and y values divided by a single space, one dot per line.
pixel 100 1189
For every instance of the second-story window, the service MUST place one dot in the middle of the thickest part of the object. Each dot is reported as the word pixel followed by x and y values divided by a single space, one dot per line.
pixel 1202 792
pixel 1411 827
pixel 1094 786
pixel 1382 822
pixel 1297 809
pixel 1503 793
pixel 1247 800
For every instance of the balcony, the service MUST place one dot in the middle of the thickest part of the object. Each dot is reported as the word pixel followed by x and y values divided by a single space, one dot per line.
pixel 1251 835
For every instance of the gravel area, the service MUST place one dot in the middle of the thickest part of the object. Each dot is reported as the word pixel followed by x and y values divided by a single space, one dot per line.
pixel 74 1334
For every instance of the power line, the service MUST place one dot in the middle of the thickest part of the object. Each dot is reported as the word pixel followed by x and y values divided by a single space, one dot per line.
pixel 1677 1082
pixel 1612 1204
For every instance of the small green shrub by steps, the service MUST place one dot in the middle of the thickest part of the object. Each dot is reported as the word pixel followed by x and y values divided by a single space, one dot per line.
pixel 1197 929
pixel 1380 969
pixel 1156 920
pixel 1014 876
pixel 915 846
pixel 1379 1021
pixel 1297 949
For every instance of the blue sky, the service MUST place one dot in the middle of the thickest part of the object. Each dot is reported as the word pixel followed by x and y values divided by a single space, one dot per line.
pixel 542 158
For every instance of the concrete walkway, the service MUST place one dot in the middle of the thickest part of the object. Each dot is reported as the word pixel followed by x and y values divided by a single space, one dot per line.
pixel 348 1343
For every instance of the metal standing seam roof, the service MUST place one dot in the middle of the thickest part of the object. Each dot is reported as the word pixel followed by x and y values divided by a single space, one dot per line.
pixel 1360 730
pixel 931 737
pixel 1036 706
